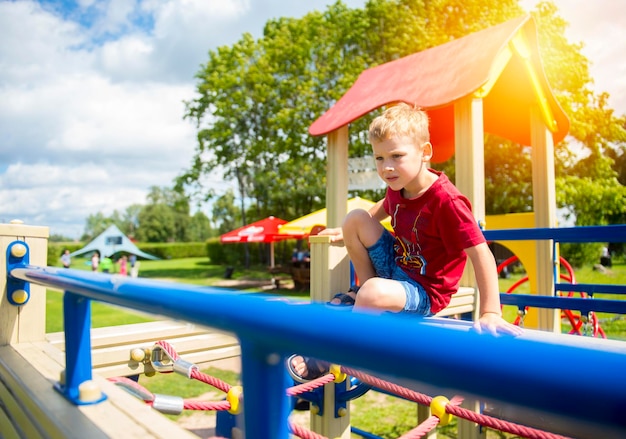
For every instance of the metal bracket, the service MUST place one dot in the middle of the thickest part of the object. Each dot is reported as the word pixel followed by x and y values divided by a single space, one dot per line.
pixel 163 362
pixel 18 255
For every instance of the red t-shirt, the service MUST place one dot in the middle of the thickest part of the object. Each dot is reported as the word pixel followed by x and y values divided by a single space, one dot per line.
pixel 432 232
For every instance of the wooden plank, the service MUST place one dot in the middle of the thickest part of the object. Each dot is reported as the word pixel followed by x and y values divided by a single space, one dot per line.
pixel 120 415
pixel 7 430
pixel 47 410
pixel 463 301
pixel 134 333
pixel 182 345
pixel 123 415
pixel 14 421
pixel 454 311
pixel 195 344
pixel 200 359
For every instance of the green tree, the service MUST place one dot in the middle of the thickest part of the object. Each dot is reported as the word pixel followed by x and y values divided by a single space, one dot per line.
pixel 199 228
pixel 256 100
pixel 157 223
pixel 595 131
pixel 225 213
pixel 130 220
pixel 96 224
pixel 174 206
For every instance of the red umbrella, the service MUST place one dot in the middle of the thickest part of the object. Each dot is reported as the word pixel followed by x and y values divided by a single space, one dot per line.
pixel 265 230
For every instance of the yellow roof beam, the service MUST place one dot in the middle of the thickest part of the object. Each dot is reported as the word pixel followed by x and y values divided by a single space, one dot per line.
pixel 521 47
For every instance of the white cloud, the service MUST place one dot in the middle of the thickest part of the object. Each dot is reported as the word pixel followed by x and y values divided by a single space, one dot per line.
pixel 36 44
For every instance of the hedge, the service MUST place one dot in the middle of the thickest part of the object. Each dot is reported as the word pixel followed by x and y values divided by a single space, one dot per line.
pixel 173 250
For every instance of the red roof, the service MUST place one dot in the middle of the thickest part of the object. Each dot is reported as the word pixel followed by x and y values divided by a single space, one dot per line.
pixel 435 78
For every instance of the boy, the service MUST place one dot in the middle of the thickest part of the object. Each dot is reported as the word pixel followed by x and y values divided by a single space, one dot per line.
pixel 419 269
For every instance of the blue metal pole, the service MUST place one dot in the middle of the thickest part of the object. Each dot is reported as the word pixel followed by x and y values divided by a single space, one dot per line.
pixel 266 404
pixel 76 324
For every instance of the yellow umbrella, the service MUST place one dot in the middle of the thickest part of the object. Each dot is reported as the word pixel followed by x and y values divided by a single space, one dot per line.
pixel 303 225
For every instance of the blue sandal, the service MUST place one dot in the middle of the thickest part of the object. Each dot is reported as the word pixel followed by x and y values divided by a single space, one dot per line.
pixel 345 299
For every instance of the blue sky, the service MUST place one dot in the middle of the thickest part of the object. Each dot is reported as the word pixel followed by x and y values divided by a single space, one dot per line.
pixel 92 91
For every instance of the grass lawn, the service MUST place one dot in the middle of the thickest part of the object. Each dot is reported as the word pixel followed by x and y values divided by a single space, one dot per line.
pixel 382 415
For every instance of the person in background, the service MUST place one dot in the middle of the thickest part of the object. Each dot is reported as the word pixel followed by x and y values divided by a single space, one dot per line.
pixel 605 257
pixel 65 259
pixel 95 260
pixel 106 264
pixel 123 265
pixel 134 271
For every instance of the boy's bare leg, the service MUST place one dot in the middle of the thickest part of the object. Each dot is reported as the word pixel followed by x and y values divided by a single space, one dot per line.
pixel 361 231
pixel 379 294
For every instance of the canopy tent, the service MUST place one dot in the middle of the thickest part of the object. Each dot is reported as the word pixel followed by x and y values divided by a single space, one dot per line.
pixel 302 226
pixel 112 241
pixel 265 230
pixel 501 64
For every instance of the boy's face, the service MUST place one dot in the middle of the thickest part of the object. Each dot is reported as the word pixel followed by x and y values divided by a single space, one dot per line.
pixel 401 162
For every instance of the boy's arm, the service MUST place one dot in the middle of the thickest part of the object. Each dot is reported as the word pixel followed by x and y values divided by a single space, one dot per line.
pixel 490 315
pixel 376 211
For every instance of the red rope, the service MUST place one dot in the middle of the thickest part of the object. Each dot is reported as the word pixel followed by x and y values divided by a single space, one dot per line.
pixel 139 390
pixel 190 404
pixel 210 380
pixel 385 385
pixel 303 432
pixel 418 432
pixel 168 348
pixel 499 424
pixel 453 409
pixel 423 429
pixel 311 385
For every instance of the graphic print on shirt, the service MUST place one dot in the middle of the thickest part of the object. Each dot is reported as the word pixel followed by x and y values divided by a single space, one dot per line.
pixel 408 254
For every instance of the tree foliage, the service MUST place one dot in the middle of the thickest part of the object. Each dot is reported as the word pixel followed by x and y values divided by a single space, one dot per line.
pixel 256 99
pixel 164 218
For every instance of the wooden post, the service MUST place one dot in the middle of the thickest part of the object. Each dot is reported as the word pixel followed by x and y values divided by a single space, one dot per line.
pixel 330 267
pixel 337 177
pixel 470 180
pixel 544 206
pixel 24 323
pixel 470 162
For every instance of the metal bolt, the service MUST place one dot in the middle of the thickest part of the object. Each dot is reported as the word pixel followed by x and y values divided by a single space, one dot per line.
pixel 18 250
pixel 19 296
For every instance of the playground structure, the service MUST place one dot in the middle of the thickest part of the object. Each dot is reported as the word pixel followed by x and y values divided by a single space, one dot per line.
pixel 47 393
pixel 494 84
pixel 494 69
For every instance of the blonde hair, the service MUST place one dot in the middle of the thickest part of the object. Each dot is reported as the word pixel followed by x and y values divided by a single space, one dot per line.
pixel 399 121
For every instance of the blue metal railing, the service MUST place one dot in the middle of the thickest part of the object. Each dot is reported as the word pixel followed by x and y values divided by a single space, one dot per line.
pixel 613 233
pixel 410 349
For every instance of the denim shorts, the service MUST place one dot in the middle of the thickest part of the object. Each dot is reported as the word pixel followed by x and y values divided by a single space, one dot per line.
pixel 383 258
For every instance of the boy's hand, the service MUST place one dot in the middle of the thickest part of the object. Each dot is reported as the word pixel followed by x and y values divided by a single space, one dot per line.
pixel 493 323
pixel 336 234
